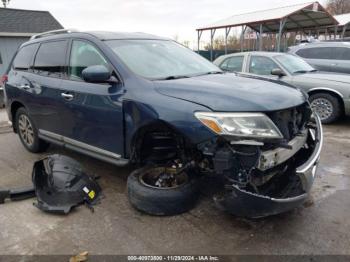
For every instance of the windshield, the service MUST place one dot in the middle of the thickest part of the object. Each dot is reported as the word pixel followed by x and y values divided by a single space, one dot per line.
pixel 294 64
pixel 160 59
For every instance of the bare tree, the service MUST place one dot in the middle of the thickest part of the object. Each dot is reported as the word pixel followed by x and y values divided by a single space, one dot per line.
pixel 337 7
pixel 5 2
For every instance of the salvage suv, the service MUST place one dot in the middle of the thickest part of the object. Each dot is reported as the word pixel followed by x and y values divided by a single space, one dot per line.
pixel 134 98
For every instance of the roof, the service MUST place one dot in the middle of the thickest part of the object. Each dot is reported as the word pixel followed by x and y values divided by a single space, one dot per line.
pixel 18 22
pixel 105 35
pixel 343 19
pixel 102 35
pixel 307 15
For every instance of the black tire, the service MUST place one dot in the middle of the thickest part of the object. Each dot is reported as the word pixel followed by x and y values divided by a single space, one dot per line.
pixel 334 102
pixel 161 201
pixel 38 145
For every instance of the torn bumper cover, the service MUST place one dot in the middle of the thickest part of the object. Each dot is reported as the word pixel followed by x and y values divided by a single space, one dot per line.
pixel 244 203
pixel 60 185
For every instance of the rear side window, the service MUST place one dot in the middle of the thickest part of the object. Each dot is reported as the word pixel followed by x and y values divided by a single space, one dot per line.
pixel 234 63
pixel 50 58
pixel 24 57
pixel 332 53
pixel 82 56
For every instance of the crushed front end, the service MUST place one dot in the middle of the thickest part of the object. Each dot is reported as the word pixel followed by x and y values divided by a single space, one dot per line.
pixel 264 175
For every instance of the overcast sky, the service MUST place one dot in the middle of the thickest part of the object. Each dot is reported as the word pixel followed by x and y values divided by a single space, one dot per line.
pixel 161 17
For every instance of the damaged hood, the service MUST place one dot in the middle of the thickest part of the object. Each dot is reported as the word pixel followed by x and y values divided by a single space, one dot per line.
pixel 231 93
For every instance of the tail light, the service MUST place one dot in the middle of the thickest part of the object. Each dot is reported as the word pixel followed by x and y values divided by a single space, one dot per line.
pixel 4 79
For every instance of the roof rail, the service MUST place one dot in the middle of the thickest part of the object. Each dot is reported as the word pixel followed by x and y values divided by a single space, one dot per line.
pixel 53 32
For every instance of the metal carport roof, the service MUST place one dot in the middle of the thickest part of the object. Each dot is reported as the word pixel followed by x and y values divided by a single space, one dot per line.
pixel 343 19
pixel 297 17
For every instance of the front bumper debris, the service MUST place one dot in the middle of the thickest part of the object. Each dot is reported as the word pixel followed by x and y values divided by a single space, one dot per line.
pixel 241 202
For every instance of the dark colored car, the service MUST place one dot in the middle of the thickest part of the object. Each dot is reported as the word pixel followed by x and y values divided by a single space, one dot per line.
pixel 325 56
pixel 133 98
pixel 329 92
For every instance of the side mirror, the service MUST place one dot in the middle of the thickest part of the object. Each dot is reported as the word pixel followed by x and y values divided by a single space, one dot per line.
pixel 97 74
pixel 277 72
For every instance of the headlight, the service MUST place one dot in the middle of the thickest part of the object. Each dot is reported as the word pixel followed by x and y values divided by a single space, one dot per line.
pixel 248 125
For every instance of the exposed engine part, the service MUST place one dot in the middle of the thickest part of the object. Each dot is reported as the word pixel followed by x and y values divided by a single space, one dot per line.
pixel 292 121
pixel 236 164
pixel 274 157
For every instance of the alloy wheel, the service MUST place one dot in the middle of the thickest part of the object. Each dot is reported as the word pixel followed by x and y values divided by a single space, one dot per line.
pixel 26 130
pixel 322 107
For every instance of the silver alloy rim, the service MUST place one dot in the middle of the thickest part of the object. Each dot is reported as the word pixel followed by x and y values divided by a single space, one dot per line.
pixel 26 130
pixel 322 107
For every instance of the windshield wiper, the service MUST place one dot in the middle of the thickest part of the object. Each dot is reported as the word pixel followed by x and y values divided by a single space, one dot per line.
pixel 212 73
pixel 305 71
pixel 174 77
pixel 300 72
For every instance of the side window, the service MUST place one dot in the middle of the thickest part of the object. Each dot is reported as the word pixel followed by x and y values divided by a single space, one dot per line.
pixel 260 65
pixel 234 63
pixel 317 53
pixel 82 56
pixel 24 57
pixel 50 58
pixel 342 53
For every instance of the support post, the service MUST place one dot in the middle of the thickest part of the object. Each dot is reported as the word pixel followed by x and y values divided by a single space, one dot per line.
pixel 282 23
pixel 261 38
pixel 343 32
pixel 335 32
pixel 199 39
pixel 227 32
pixel 212 33
pixel 242 36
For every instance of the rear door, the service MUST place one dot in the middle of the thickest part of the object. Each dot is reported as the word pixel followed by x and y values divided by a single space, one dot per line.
pixel 47 73
pixel 325 58
pixel 93 115
pixel 342 64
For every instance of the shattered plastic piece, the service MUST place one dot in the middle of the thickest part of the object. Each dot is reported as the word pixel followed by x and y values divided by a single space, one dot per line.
pixel 16 194
pixel 61 184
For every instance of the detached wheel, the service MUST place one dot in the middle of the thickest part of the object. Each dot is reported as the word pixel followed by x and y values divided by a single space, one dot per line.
pixel 326 106
pixel 160 191
pixel 28 133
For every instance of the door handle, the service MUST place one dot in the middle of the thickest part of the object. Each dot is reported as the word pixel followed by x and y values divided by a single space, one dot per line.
pixel 67 96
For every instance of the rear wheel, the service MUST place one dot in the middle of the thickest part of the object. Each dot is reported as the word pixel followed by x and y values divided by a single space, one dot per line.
pixel 326 106
pixel 160 191
pixel 28 133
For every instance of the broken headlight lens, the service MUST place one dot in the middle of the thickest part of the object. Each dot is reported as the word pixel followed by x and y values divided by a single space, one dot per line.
pixel 247 125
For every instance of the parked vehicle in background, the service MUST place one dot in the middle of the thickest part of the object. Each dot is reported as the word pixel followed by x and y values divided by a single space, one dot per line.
pixel 149 101
pixel 2 101
pixel 329 92
pixel 325 56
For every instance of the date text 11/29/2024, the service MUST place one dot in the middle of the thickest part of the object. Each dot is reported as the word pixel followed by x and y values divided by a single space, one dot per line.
pixel 204 258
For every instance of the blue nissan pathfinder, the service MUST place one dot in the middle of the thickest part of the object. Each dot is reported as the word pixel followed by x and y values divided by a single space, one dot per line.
pixel 147 101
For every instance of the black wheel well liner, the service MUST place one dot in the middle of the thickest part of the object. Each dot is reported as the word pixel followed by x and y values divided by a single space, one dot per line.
pixel 332 93
pixel 14 107
pixel 142 134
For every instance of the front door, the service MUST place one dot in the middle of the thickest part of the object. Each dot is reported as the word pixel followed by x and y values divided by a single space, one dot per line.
pixel 93 115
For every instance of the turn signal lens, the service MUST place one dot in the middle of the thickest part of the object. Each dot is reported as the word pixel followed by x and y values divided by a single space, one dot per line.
pixel 212 125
